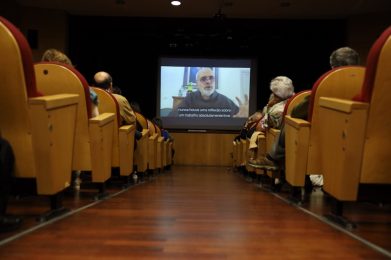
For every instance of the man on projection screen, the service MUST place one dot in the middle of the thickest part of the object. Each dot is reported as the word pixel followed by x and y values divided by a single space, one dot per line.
pixel 207 101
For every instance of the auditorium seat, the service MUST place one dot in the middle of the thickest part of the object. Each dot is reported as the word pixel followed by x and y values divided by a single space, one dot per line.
pixel 39 128
pixel 271 135
pixel 302 137
pixel 235 157
pixel 162 148
pixel 266 142
pixel 123 136
pixel 141 153
pixel 153 144
pixel 240 148
pixel 93 139
pixel 355 134
pixel 244 151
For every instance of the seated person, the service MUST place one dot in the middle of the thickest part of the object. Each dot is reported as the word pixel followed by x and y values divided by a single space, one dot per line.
pixel 103 80
pixel 206 96
pixel 282 89
pixel 58 56
pixel 165 134
pixel 249 126
pixel 116 90
pixel 275 159
pixel 136 109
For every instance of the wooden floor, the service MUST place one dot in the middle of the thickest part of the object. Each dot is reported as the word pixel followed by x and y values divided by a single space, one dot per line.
pixel 195 213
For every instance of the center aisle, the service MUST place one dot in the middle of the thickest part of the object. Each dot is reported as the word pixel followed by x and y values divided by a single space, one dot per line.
pixel 189 213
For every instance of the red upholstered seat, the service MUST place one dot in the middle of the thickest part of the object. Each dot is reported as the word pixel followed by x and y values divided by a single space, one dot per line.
pixel 371 68
pixel 26 58
pixel 93 139
pixel 361 130
pixel 302 137
pixel 39 128
pixel 355 135
pixel 83 82
pixel 316 85
pixel 294 100
pixel 123 135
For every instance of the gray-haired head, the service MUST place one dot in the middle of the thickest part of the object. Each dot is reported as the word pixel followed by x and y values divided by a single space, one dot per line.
pixel 282 87
pixel 344 56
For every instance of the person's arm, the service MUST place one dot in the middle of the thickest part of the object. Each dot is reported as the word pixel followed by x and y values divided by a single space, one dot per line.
pixel 94 102
pixel 94 110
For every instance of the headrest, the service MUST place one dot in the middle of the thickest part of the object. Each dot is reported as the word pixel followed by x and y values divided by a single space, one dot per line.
pixel 83 81
pixel 141 120
pixel 291 99
pixel 371 67
pixel 118 113
pixel 27 58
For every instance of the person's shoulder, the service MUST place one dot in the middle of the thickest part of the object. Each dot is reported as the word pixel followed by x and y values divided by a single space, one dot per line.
pixel 118 96
pixel 121 99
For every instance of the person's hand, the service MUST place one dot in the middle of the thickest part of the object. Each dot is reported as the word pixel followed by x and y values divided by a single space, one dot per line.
pixel 243 107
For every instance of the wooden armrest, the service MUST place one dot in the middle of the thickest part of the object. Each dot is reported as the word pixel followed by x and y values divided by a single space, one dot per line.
pixel 55 101
pixel 341 105
pixel 127 128
pixel 296 122
pixel 102 119
pixel 145 132
pixel 274 131
pixel 153 137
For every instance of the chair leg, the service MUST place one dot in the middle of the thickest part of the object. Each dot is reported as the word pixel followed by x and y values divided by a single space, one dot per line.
pixel 102 193
pixel 56 208
pixel 336 215
pixel 127 182
pixel 296 195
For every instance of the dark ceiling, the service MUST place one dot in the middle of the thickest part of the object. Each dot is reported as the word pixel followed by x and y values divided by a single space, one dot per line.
pixel 265 9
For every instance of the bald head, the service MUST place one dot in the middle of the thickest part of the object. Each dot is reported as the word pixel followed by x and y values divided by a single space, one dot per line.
pixel 103 80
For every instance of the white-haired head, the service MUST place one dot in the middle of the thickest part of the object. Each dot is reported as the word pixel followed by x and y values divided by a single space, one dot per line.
pixel 282 87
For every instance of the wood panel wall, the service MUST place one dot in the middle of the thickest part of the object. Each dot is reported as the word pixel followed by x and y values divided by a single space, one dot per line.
pixel 203 149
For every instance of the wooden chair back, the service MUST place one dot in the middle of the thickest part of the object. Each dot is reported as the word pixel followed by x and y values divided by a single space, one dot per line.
pixel 18 84
pixel 39 128
pixel 376 91
pixel 356 133
pixel 342 82
pixel 107 103
pixel 123 136
pixel 141 120
pixel 69 80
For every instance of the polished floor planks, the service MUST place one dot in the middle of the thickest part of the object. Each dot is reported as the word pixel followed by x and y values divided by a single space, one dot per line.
pixel 189 213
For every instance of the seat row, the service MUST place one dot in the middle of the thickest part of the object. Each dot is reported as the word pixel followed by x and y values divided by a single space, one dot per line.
pixel 347 135
pixel 46 117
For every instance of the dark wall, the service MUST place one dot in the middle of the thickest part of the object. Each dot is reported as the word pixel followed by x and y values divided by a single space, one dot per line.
pixel 129 48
